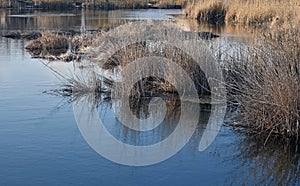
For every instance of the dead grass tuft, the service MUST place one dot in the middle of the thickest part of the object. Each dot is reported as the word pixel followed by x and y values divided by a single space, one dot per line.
pixel 264 82
pixel 48 44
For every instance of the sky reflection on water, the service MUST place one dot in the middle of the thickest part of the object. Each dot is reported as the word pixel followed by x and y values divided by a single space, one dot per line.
pixel 41 144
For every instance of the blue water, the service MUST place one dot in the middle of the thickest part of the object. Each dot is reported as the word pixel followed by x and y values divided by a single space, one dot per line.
pixel 40 143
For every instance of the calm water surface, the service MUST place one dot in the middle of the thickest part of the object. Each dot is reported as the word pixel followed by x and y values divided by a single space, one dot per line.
pixel 40 142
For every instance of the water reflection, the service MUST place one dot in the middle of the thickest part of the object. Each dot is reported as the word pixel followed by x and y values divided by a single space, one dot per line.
pixel 29 19
pixel 55 20
pixel 120 143
pixel 272 162
pixel 228 29
pixel 163 129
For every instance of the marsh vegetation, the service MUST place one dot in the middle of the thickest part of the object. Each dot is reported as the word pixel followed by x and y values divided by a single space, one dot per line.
pixel 247 12
pixel 262 79
pixel 264 83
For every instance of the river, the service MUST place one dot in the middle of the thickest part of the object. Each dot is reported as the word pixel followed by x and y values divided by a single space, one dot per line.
pixel 42 144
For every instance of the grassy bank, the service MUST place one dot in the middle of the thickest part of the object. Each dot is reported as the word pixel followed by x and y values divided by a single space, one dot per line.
pixel 245 11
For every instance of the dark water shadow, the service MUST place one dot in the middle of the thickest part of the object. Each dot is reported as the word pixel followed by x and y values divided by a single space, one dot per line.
pixel 261 162
pixel 140 108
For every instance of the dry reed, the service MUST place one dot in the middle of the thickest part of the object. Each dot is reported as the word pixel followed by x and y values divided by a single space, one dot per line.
pixel 48 44
pixel 60 46
pixel 245 11
pixel 120 58
pixel 264 83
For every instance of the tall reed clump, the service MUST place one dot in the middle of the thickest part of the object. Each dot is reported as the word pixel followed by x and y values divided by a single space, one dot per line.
pixel 208 11
pixel 264 83
pixel 151 86
pixel 172 3
pixel 105 52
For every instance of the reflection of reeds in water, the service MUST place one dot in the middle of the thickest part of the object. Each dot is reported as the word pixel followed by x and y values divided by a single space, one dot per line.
pixel 274 163
pixel 85 87
pixel 140 108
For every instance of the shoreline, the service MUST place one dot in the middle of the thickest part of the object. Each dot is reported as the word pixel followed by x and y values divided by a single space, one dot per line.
pixel 63 5
pixel 214 12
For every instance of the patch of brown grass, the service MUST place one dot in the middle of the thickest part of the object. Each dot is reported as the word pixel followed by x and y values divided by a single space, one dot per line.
pixel 151 85
pixel 48 44
pixel 105 52
pixel 212 11
pixel 245 11
pixel 172 3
